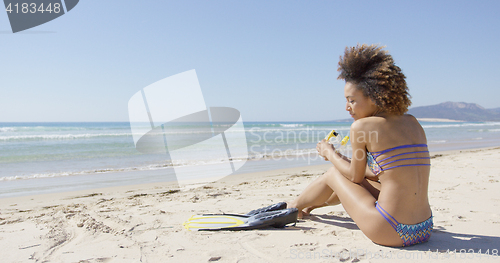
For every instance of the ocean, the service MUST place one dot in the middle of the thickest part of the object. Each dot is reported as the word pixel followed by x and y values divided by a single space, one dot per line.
pixel 37 158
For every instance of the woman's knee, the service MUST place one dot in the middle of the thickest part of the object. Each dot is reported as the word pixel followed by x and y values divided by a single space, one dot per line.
pixel 333 174
pixel 329 174
pixel 332 171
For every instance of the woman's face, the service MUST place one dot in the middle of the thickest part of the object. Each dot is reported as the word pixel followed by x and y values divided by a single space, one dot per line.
pixel 358 105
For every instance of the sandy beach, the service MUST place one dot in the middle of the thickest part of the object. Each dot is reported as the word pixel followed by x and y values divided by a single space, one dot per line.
pixel 143 223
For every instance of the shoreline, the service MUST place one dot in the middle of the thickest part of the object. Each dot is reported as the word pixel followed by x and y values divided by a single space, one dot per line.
pixel 193 182
pixel 144 222
pixel 20 178
pixel 172 185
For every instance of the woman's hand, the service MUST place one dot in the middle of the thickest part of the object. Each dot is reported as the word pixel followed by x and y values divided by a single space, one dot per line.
pixel 325 149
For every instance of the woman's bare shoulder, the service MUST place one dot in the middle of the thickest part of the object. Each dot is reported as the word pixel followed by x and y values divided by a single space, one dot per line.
pixel 410 117
pixel 410 120
pixel 367 123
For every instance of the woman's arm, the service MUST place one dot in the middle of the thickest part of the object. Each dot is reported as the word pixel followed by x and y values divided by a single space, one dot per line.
pixel 340 162
pixel 355 170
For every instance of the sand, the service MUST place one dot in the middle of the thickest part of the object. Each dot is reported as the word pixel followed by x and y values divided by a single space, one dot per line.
pixel 143 223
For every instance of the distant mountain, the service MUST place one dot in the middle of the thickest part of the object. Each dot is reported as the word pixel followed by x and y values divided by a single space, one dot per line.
pixel 497 110
pixel 456 111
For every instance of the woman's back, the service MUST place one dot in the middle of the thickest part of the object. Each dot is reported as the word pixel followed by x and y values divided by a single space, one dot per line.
pixel 398 145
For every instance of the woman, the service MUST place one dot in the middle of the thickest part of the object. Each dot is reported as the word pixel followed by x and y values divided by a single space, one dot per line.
pixel 384 186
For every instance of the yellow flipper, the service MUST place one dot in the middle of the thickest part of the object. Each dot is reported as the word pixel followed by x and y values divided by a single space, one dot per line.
pixel 213 221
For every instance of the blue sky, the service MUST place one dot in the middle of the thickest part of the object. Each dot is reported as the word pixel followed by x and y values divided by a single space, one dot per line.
pixel 271 60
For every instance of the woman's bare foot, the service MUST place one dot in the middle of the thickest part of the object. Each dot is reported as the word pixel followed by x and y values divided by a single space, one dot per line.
pixel 294 205
pixel 302 212
pixel 307 210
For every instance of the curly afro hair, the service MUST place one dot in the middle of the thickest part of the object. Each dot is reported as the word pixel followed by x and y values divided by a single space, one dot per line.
pixel 373 71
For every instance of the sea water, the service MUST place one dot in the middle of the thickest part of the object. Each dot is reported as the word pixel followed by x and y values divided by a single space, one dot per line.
pixel 50 157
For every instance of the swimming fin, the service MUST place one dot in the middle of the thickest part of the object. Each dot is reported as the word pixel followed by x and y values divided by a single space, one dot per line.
pixel 216 222
pixel 278 206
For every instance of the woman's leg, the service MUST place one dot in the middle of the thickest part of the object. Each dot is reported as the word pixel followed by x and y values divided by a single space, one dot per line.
pixel 332 200
pixel 314 195
pixel 359 203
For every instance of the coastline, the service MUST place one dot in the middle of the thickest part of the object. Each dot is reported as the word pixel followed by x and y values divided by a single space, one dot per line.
pixel 192 184
pixel 113 159
pixel 134 222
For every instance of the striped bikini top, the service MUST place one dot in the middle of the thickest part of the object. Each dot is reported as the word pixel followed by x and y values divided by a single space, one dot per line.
pixel 382 165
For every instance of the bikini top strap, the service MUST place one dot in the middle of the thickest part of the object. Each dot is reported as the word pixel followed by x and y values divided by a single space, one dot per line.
pixel 377 154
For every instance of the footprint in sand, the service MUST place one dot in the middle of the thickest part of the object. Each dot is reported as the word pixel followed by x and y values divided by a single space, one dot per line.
pixel 460 218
